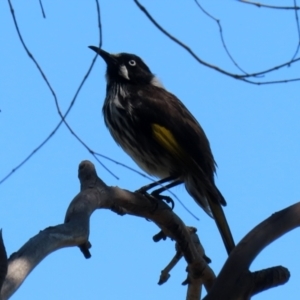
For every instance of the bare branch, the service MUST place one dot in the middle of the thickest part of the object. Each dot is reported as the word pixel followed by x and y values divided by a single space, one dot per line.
pixel 62 116
pixel 269 6
pixel 3 261
pixel 221 35
pixel 298 30
pixel 242 77
pixel 236 268
pixel 234 281
pixel 95 194
pixel 269 278
pixel 295 8
pixel 42 9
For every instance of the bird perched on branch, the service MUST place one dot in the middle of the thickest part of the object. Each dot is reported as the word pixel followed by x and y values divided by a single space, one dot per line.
pixel 160 134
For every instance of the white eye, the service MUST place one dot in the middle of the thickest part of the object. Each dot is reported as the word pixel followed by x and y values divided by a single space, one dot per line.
pixel 132 63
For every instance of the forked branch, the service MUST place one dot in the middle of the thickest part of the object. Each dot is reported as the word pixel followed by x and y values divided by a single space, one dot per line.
pixel 234 282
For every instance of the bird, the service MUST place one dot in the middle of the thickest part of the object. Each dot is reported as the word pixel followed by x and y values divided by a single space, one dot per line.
pixel 160 134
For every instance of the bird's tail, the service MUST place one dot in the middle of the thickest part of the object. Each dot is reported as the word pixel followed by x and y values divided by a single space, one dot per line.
pixel 211 200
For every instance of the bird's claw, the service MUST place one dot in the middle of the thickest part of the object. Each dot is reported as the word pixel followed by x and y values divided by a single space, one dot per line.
pixel 167 199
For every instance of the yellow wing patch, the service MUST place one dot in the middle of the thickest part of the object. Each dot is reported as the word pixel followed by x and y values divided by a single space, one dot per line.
pixel 167 140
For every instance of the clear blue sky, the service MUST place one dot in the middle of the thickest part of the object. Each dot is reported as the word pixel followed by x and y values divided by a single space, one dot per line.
pixel 254 133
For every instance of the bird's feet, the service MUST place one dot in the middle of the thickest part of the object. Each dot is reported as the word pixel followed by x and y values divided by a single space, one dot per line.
pixel 155 196
pixel 157 193
pixel 165 198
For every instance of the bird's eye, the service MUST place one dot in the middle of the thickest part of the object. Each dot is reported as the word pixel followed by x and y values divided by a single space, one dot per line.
pixel 132 63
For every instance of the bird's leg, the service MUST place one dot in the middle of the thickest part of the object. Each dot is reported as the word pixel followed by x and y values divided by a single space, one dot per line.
pixel 166 187
pixel 147 187
pixel 156 193
pixel 168 199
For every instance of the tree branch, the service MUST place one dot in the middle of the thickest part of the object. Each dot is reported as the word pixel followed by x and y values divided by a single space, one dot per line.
pixel 95 194
pixel 269 6
pixel 243 77
pixel 234 281
pixel 3 261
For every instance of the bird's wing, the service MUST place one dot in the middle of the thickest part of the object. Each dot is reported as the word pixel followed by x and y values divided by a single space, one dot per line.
pixel 173 127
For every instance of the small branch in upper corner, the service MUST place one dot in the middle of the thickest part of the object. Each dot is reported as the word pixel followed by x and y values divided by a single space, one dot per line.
pixel 42 9
pixel 221 35
pixel 242 77
pixel 3 261
pixel 269 6
pixel 99 23
pixel 295 8
pixel 298 31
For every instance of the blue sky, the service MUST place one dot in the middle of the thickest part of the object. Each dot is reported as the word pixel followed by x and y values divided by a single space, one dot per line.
pixel 254 133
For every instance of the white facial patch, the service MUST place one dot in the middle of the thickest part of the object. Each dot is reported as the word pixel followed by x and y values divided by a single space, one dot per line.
pixel 156 82
pixel 123 72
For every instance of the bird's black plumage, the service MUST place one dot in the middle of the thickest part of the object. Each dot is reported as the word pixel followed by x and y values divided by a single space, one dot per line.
pixel 155 128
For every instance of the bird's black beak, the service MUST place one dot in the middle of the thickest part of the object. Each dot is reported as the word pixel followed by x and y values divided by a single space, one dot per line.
pixel 108 58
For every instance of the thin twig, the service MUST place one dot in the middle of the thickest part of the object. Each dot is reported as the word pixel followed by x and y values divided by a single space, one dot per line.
pixel 241 77
pixel 63 116
pixel 3 261
pixel 221 35
pixel 99 23
pixel 298 30
pixel 269 6
pixel 31 154
pixel 42 9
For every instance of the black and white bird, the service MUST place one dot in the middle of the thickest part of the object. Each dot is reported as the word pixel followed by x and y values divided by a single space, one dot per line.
pixel 159 133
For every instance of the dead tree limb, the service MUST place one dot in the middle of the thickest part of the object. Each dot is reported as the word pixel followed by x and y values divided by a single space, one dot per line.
pixel 234 282
pixel 3 261
pixel 95 194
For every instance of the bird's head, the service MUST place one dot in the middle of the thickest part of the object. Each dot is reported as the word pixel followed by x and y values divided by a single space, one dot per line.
pixel 126 68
